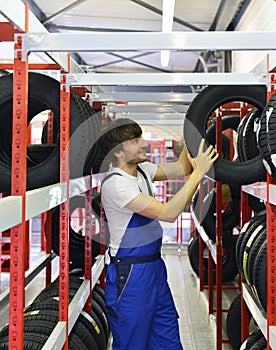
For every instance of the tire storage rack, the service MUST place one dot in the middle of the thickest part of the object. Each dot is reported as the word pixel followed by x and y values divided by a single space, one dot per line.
pixel 73 310
pixel 18 206
pixel 256 303
pixel 263 308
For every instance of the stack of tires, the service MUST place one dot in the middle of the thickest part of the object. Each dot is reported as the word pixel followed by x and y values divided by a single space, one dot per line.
pixel 246 251
pixel 91 330
pixel 251 260
pixel 43 159
pixel 232 173
pixel 76 236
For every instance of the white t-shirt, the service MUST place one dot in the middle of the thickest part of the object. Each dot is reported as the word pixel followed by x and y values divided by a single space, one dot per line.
pixel 116 193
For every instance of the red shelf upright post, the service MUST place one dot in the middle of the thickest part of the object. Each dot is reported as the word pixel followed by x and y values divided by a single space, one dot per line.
pixel 90 230
pixel 18 188
pixel 271 260
pixel 64 207
pixel 245 215
pixel 219 241
pixel 271 244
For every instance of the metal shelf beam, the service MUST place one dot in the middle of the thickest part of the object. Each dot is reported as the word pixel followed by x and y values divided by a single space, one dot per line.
pixel 118 41
pixel 10 209
pixel 142 97
pixel 145 109
pixel 41 200
pixel 155 79
pixel 258 313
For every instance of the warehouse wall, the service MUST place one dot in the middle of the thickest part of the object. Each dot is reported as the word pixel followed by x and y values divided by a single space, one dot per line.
pixel 168 132
pixel 259 16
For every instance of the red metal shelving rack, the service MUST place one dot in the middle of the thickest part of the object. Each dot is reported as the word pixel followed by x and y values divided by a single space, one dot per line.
pixel 19 255
pixel 18 188
pixel 215 251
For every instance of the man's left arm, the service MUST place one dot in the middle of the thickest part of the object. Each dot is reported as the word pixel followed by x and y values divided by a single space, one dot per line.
pixel 180 168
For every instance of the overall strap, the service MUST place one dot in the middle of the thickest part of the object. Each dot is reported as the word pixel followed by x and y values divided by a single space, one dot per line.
pixel 147 180
pixel 109 175
pixel 141 171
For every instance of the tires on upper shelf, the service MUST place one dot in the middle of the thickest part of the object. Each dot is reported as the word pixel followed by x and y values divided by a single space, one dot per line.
pixel 196 124
pixel 43 159
pixel 267 136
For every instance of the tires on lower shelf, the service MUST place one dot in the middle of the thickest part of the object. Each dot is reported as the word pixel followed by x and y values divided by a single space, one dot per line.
pixel 260 275
pixel 229 265
pixel 230 215
pixel 32 341
pixel 258 218
pixel 234 323
pixel 76 238
pixel 95 322
pixel 254 338
pixel 41 322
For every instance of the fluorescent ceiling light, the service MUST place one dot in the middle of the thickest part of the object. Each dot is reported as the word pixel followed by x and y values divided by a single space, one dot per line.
pixel 167 25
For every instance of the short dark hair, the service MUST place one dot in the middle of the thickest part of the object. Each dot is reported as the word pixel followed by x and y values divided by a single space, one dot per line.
pixel 116 132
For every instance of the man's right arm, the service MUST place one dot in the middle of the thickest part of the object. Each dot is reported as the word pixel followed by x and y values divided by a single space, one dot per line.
pixel 150 207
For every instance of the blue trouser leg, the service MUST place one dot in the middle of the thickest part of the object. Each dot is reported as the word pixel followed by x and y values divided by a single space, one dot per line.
pixel 164 331
pixel 142 314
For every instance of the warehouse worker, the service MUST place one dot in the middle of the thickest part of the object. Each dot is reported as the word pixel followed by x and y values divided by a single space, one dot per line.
pixel 142 314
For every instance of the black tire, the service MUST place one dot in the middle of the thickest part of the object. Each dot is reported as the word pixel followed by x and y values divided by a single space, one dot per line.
pixel 255 203
pixel 230 216
pixel 96 329
pixel 229 265
pixel 39 153
pixel 253 253
pixel 266 136
pixel 248 240
pixel 260 275
pixel 32 341
pixel 228 122
pixel 240 137
pixel 261 344
pixel 196 202
pixel 92 324
pixel 97 288
pixel 74 284
pixel 249 137
pixel 234 323
pixel 53 292
pixel 77 240
pixel 41 327
pixel 44 94
pixel 259 218
pixel 253 338
pixel 79 337
pixel 195 126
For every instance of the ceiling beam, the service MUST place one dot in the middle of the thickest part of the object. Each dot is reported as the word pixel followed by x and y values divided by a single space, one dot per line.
pixel 139 63
pixel 175 19
pixel 60 12
pixel 121 60
pixel 89 29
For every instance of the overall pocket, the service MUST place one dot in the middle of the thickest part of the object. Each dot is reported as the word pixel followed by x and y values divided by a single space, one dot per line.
pixel 123 272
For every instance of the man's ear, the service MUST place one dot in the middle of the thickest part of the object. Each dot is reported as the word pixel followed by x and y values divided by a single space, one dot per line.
pixel 117 154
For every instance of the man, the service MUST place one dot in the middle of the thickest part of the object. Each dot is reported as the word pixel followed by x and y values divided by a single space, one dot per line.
pixel 142 314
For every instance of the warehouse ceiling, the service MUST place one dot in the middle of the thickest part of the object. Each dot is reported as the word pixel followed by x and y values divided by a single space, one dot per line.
pixel 88 16
pixel 138 15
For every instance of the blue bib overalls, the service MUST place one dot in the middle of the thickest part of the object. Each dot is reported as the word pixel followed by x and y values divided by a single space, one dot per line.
pixel 141 310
